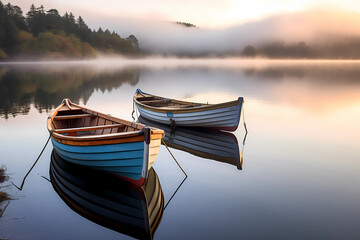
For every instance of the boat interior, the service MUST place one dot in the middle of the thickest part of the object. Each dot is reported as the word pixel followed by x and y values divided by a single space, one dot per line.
pixel 78 122
pixel 160 102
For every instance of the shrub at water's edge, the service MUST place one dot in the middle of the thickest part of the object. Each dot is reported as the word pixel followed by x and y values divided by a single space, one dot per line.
pixel 46 34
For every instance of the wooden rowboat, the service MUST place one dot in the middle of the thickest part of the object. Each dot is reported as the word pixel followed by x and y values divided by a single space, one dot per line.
pixel 223 116
pixel 96 140
pixel 202 142
pixel 107 200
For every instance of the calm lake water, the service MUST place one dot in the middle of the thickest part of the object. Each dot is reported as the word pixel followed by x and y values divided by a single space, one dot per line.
pixel 301 160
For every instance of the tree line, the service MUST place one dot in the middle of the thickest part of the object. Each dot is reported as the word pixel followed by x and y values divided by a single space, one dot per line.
pixel 45 33
pixel 345 48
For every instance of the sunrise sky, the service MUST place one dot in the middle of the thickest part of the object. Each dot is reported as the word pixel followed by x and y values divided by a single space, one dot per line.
pixel 203 13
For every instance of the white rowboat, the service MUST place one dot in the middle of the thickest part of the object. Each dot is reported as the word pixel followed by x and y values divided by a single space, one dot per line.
pixel 223 116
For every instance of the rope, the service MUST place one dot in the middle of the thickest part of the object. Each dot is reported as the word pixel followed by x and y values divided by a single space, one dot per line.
pixel 175 192
pixel 162 140
pixel 132 114
pixel 137 112
pixel 46 179
pixel 246 131
pixel 23 182
pixel 3 210
pixel 243 143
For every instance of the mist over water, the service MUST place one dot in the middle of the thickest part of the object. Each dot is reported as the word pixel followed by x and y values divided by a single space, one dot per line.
pixel 300 158
pixel 314 26
pixel 316 81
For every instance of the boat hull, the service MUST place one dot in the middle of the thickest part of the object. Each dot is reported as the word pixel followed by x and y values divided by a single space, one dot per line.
pixel 123 159
pixel 222 118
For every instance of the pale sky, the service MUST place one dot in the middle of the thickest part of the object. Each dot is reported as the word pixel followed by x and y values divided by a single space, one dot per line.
pixel 203 13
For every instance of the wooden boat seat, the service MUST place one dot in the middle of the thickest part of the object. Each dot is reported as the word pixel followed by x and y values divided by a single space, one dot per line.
pixel 82 129
pixel 150 98
pixel 153 101
pixel 176 107
pixel 186 106
pixel 73 116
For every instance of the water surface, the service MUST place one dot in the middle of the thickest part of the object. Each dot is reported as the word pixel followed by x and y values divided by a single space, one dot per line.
pixel 299 176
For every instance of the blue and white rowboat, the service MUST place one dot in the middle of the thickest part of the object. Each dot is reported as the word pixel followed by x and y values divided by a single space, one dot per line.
pixel 96 140
pixel 223 116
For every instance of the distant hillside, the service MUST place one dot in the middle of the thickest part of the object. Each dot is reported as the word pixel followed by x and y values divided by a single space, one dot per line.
pixel 46 34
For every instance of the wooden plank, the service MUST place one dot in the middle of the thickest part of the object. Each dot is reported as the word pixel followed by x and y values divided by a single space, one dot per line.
pixel 176 107
pixel 148 98
pixel 138 126
pixel 154 101
pixel 101 122
pixel 72 116
pixel 108 130
pixel 87 122
pixel 65 108
pixel 70 130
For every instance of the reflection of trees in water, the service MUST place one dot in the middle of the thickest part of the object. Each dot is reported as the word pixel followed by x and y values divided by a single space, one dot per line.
pixel 45 87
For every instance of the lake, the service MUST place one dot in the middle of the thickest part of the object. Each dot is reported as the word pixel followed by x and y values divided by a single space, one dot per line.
pixel 300 159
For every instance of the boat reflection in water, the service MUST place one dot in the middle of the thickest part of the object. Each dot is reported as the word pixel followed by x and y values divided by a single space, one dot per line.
pixel 202 142
pixel 109 200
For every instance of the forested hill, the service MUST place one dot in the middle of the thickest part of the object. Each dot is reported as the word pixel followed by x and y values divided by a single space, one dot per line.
pixel 46 34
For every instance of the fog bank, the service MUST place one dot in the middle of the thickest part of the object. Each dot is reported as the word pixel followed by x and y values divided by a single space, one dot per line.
pixel 313 26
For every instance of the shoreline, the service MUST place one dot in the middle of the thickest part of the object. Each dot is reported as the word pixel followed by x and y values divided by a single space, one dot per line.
pixel 173 61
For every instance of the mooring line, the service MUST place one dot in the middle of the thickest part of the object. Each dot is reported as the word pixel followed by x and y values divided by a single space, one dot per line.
pixel 246 131
pixel 133 110
pixel 46 179
pixel 23 182
pixel 175 192
pixel 3 210
pixel 162 140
